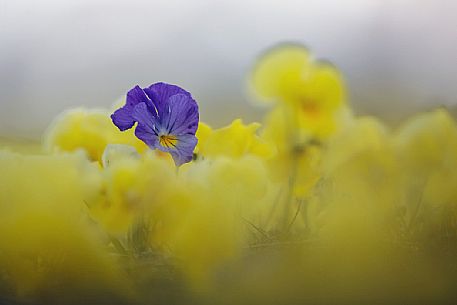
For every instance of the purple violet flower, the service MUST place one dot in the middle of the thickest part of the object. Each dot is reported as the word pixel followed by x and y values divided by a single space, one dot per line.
pixel 167 118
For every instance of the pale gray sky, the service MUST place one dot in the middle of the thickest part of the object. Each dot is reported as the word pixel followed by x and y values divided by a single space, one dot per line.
pixel 398 55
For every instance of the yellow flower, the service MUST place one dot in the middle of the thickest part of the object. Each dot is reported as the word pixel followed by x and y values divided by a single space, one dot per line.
pixel 132 185
pixel 289 73
pixel 365 135
pixel 427 140
pixel 90 131
pixel 297 153
pixel 358 163
pixel 299 169
pixel 204 131
pixel 311 94
pixel 279 72
pixel 235 140
pixel 426 146
pixel 47 180
pixel 204 238
pixel 50 251
pixel 58 259
pixel 311 107
pixel 201 218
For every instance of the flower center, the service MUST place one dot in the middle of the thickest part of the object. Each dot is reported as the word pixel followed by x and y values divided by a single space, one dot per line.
pixel 168 140
pixel 311 108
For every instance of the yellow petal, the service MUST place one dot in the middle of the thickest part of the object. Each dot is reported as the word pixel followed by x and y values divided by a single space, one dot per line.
pixel 90 131
pixel 278 74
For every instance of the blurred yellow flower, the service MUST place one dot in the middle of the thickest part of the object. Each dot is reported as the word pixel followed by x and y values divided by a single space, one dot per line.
pixel 279 72
pixel 312 91
pixel 427 140
pixel 426 147
pixel 89 130
pixel 235 140
pixel 365 135
pixel 204 131
pixel 202 216
pixel 132 185
pixel 49 250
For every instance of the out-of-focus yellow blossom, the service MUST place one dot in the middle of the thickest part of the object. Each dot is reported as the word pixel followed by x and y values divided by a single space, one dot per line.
pixel 115 152
pixel 299 166
pixel 50 253
pixel 204 131
pixel 365 135
pixel 356 163
pixel 131 185
pixel 296 153
pixel 289 73
pixel 311 107
pixel 53 259
pixel 311 93
pixel 205 238
pixel 203 218
pixel 427 140
pixel 88 130
pixel 243 181
pixel 369 167
pixel 45 179
pixel 235 140
pixel 426 146
pixel 279 72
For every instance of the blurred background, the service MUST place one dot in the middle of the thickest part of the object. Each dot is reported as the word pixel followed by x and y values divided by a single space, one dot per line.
pixel 398 56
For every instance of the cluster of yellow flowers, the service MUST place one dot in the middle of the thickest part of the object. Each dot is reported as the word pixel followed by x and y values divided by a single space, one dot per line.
pixel 315 204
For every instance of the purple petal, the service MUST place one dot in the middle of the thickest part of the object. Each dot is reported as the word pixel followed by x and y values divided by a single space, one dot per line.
pixel 144 116
pixel 159 93
pixel 144 134
pixel 146 129
pixel 181 115
pixel 183 151
pixel 136 96
pixel 122 117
